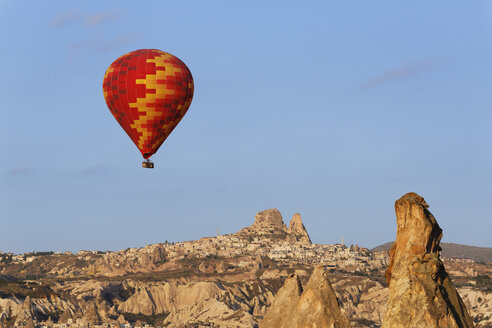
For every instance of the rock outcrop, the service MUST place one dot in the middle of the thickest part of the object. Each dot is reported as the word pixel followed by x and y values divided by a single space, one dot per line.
pixel 215 312
pixel 121 320
pixel 66 316
pixel 478 301
pixel 420 292
pixel 26 315
pixel 363 299
pixel 317 306
pixel 3 318
pixel 147 259
pixel 270 223
pixel 269 218
pixel 284 303
pixel 296 230
pixel 155 298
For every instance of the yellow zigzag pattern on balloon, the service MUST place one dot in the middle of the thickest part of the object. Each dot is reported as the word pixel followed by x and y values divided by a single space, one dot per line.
pixel 145 106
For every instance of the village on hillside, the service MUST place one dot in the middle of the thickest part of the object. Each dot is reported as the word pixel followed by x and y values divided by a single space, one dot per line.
pixel 118 289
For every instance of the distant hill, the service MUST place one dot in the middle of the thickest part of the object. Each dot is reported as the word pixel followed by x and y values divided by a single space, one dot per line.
pixel 383 247
pixel 483 254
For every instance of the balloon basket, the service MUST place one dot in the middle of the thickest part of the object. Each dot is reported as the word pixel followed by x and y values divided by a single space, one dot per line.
pixel 148 164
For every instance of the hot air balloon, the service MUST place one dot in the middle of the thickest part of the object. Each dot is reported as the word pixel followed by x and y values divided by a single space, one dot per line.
pixel 148 91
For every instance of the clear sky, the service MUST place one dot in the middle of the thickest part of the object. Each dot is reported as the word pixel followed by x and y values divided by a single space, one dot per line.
pixel 333 109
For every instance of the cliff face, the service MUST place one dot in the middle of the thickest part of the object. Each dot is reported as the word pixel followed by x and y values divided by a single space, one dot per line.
pixel 317 306
pixel 420 292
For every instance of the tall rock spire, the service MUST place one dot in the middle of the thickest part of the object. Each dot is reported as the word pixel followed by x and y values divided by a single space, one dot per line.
pixel 421 294
pixel 284 303
pixel 296 230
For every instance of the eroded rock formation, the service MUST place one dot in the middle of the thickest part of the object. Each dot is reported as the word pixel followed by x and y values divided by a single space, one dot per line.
pixel 420 292
pixel 167 297
pixel 26 314
pixel 285 302
pixel 296 230
pixel 316 306
pixel 269 222
pixel 203 283
pixel 269 218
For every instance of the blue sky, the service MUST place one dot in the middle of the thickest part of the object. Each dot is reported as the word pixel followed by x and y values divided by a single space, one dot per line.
pixel 330 109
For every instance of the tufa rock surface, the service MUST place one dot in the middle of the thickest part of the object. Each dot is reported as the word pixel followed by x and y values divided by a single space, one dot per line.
pixel 284 303
pixel 269 223
pixel 296 230
pixel 421 294
pixel 269 218
pixel 315 307
pixel 26 315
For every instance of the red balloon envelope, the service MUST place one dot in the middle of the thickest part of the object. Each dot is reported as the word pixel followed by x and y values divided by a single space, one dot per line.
pixel 148 91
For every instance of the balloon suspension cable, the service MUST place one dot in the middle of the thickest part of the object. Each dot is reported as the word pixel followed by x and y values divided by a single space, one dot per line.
pixel 148 164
